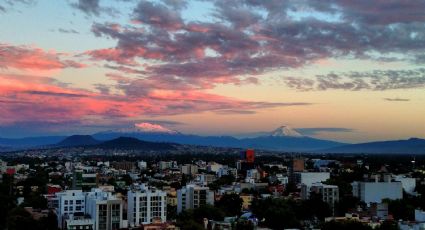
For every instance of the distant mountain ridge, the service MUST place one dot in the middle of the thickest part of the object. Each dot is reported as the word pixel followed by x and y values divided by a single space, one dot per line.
pixel 78 140
pixel 30 141
pixel 154 136
pixel 283 138
pixel 410 146
pixel 133 143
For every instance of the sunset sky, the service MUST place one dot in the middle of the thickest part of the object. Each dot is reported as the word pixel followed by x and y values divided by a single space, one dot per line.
pixel 347 70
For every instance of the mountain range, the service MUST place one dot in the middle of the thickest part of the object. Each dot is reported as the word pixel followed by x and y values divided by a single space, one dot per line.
pixel 283 138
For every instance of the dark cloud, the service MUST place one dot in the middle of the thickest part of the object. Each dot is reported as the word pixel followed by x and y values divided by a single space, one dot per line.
pixel 54 94
pixel 158 15
pixel 10 4
pixel 89 7
pixel 315 131
pixel 235 111
pixel 67 31
pixel 378 80
pixel 163 122
pixel 397 99
pixel 102 88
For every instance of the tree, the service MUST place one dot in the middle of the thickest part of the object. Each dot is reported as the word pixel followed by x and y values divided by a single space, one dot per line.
pixel 193 218
pixel 401 209
pixel 230 204
pixel 20 219
pixel 276 213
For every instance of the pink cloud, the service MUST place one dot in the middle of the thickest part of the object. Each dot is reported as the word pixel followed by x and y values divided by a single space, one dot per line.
pixel 30 58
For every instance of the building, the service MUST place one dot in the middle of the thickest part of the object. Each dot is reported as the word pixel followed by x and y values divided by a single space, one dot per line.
pixel 250 156
pixel 253 174
pixel 146 206
pixel 193 196
pixel 105 209
pixel 374 192
pixel 205 179
pixel 214 167
pixel 70 203
pixel 142 165
pixel 408 183
pixel 298 165
pixel 309 178
pixel 124 165
pixel 84 181
pixel 246 201
pixel 95 210
pixel 189 169
pixel 79 223
pixel 163 165
pixel 328 193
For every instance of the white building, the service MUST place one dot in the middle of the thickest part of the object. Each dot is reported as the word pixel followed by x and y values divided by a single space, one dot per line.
pixel 69 202
pixel 374 192
pixel 214 167
pixel 142 165
pixel 282 179
pixel 408 183
pixel 105 209
pixel 146 205
pixel 193 196
pixel 309 178
pixel 79 223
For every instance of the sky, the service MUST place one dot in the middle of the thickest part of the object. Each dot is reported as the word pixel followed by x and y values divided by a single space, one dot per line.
pixel 343 70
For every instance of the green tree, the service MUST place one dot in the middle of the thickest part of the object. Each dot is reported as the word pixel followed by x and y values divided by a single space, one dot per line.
pixel 276 213
pixel 20 219
pixel 230 204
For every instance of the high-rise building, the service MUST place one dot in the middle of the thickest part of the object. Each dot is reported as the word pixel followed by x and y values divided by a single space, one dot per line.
pixel 105 209
pixel 328 193
pixel 189 169
pixel 248 156
pixel 146 206
pixel 193 196
pixel 70 203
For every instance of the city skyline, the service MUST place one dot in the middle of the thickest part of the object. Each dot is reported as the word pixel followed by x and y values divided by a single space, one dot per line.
pixel 351 71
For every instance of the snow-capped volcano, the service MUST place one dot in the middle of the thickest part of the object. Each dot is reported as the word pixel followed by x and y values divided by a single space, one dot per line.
pixel 146 127
pixel 285 131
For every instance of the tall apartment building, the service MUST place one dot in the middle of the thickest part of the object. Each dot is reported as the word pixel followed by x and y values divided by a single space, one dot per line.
pixel 105 209
pixel 70 203
pixel 146 206
pixel 189 169
pixel 193 196
pixel 76 207
pixel 329 193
